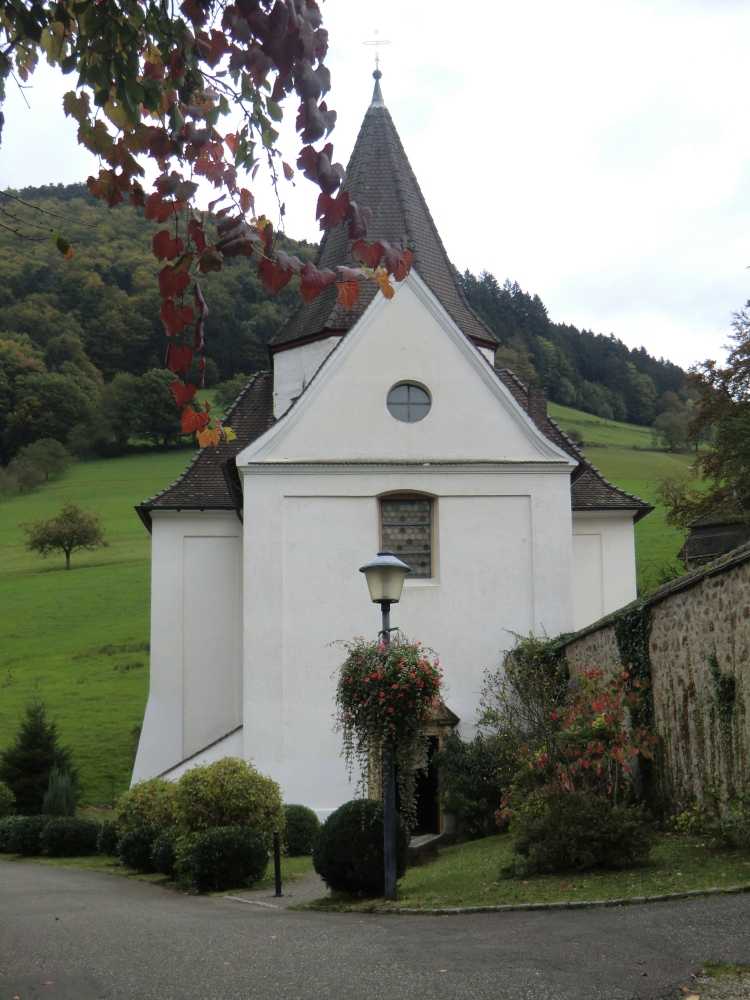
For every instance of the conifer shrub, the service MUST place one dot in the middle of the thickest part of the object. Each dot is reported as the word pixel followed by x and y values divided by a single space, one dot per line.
pixel 578 831
pixel 163 853
pixel 7 801
pixel 134 847
pixel 26 835
pixel 348 853
pixel 70 837
pixel 229 792
pixel 108 838
pixel 301 828
pixel 26 764
pixel 60 797
pixel 147 803
pixel 227 857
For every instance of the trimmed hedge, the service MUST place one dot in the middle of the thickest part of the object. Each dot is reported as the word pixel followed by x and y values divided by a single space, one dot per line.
pixel 163 855
pixel 26 835
pixel 7 801
pixel 108 839
pixel 227 857
pixel 70 837
pixel 147 803
pixel 348 854
pixel 301 829
pixel 229 792
pixel 134 848
pixel 6 827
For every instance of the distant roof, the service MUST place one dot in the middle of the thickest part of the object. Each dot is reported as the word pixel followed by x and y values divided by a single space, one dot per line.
pixel 203 485
pixel 379 177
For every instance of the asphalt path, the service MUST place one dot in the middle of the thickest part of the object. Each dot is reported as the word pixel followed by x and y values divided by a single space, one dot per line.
pixel 77 935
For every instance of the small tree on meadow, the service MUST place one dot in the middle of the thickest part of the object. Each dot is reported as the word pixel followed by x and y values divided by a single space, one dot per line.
pixel 26 765
pixel 26 473
pixel 49 456
pixel 8 482
pixel 72 529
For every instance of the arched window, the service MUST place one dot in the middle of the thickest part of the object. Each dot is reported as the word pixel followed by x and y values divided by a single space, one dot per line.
pixel 406 529
pixel 408 402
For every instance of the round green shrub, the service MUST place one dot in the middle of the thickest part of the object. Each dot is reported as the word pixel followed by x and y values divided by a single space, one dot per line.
pixel 70 837
pixel 108 838
pixel 163 856
pixel 147 803
pixel 229 792
pixel 301 828
pixel 6 827
pixel 134 847
pixel 578 831
pixel 7 801
pixel 348 854
pixel 25 835
pixel 228 857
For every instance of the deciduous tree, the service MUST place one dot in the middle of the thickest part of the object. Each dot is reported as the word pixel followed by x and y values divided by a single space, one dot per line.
pixel 72 529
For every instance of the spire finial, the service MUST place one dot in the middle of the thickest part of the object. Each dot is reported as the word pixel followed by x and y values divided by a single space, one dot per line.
pixel 377 95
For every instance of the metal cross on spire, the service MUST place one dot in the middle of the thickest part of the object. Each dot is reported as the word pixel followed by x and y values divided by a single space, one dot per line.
pixel 377 96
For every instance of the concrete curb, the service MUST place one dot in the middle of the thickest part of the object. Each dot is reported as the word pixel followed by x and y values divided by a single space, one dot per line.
pixel 574 905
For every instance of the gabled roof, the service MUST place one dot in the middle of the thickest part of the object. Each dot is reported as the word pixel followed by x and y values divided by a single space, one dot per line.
pixel 203 484
pixel 379 177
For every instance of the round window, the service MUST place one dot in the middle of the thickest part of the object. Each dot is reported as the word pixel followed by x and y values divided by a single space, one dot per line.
pixel 408 402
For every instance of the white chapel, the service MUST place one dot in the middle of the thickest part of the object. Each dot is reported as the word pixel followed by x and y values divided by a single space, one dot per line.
pixel 384 427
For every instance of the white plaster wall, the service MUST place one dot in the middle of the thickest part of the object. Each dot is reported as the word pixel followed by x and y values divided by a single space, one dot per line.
pixel 195 632
pixel 293 369
pixel 603 564
pixel 230 746
pixel 488 353
pixel 502 564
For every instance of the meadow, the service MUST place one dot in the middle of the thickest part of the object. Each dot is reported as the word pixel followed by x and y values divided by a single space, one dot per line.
pixel 79 639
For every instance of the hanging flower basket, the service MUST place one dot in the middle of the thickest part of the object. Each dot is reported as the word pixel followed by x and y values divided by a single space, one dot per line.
pixel 388 691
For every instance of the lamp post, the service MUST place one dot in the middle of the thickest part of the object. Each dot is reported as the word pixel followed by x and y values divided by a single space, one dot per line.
pixel 385 576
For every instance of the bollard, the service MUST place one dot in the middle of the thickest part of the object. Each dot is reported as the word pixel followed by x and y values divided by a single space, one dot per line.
pixel 277 862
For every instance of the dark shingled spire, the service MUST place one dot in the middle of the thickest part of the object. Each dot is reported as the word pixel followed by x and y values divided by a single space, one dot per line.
pixel 379 176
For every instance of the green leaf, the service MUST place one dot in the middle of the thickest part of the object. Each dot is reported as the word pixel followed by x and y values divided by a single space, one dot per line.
pixel 274 110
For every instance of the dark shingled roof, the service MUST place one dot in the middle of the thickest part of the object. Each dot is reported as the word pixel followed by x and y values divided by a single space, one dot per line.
pixel 379 177
pixel 203 486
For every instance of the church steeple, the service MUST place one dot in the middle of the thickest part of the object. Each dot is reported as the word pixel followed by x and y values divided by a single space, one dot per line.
pixel 377 95
pixel 380 177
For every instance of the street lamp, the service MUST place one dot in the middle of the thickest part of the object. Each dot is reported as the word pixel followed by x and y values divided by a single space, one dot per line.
pixel 385 576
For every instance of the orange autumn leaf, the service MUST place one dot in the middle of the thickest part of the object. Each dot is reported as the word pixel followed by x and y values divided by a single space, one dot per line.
pixel 381 277
pixel 348 293
pixel 208 436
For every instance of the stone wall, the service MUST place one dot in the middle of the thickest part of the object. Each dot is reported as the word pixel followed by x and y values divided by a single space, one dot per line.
pixel 698 658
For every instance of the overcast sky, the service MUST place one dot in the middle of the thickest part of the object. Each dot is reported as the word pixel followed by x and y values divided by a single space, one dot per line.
pixel 595 151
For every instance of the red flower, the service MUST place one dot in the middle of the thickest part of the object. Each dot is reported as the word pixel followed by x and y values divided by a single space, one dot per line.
pixel 390 709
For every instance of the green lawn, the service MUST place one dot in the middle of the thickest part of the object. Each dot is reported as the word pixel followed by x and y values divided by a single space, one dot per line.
pixel 81 637
pixel 469 875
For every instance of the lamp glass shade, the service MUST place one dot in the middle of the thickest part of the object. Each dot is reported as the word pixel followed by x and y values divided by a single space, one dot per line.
pixel 385 576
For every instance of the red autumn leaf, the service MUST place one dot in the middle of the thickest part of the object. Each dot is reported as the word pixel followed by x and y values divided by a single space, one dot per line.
pixel 247 202
pixel 314 282
pixel 172 282
pixel 287 262
pixel 194 11
pixel 192 420
pixel 182 394
pixel 273 277
pixel 164 247
pixel 213 47
pixel 368 255
pixel 179 358
pixel 359 220
pixel 196 233
pixel 332 211
pixel 175 318
pixel 348 293
pixel 288 172
pixel 398 262
pixel 157 208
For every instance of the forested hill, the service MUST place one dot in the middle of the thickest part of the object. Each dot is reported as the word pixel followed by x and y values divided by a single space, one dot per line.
pixel 589 371
pixel 108 296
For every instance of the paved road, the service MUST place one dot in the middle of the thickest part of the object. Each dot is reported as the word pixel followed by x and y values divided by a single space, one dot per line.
pixel 99 936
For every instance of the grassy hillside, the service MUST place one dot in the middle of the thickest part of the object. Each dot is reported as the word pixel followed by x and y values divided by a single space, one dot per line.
pixel 624 453
pixel 82 637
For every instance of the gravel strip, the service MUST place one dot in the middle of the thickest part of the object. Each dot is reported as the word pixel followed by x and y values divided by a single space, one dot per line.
pixel 726 988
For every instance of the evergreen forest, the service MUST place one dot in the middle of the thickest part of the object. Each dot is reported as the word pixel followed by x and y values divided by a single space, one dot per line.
pixel 82 346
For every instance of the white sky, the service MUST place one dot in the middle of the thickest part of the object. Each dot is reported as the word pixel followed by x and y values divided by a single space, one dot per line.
pixel 595 151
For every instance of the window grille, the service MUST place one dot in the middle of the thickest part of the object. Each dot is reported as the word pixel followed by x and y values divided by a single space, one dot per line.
pixel 409 403
pixel 407 531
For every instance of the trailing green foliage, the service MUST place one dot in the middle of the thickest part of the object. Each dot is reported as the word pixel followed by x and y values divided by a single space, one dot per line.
pixel 301 828
pixel 60 797
pixel 134 847
pixel 7 801
pixel 227 857
pixel 70 837
pixel 472 777
pixel 229 792
pixel 108 839
pixel 578 831
pixel 594 373
pixel 26 765
pixel 348 853
pixel 25 834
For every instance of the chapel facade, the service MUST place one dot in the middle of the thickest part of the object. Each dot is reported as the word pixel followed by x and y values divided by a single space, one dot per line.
pixel 387 426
